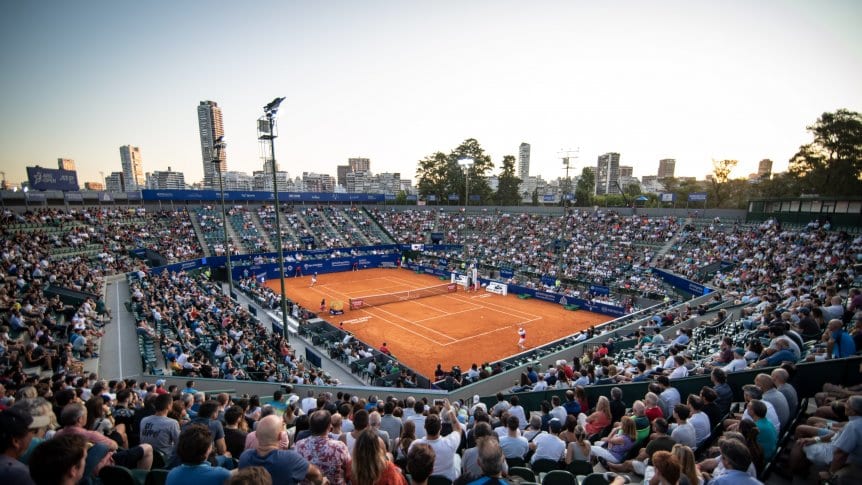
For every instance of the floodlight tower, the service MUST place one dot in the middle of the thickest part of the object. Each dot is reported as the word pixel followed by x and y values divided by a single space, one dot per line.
pixel 266 133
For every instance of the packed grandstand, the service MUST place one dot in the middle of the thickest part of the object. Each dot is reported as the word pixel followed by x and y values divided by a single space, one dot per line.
pixel 754 372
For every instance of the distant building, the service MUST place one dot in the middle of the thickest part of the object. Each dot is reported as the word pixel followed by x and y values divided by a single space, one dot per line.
pixel 608 173
pixel 626 171
pixel 133 168
pixel 115 182
pixel 166 180
pixel 764 169
pixel 318 182
pixel 341 174
pixel 239 181
pixel 524 161
pixel 95 186
pixel 65 164
pixel 211 129
pixel 666 168
pixel 359 164
pixel 262 181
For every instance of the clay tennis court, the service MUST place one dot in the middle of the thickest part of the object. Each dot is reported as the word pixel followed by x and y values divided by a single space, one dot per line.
pixel 452 329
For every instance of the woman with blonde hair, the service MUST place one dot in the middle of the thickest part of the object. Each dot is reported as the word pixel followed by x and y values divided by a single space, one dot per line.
pixel 579 449
pixel 599 420
pixel 686 460
pixel 619 442
pixel 370 465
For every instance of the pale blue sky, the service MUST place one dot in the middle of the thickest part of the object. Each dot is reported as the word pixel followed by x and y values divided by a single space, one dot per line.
pixel 396 81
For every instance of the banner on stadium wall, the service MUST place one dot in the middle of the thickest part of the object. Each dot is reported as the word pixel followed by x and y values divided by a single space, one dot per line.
pixel 431 198
pixel 697 197
pixel 507 273
pixel 681 283
pixel 260 196
pixel 475 197
pixel 41 178
pixel 319 266
pixel 74 197
pixel 549 280
pixel 548 198
pixel 388 197
pixel 600 290
pixel 307 239
pixel 453 197
pixel 412 198
pixel 36 197
pixel 667 197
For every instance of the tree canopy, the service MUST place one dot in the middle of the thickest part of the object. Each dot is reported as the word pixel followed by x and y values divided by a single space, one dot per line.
pixel 832 163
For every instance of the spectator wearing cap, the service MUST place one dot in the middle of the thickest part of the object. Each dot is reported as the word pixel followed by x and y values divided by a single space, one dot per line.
pixel 15 436
pixel 807 326
pixel 549 446
pixel 160 387
pixel 738 363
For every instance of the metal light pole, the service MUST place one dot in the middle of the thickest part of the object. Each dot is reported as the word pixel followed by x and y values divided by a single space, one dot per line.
pixel 465 164
pixel 270 111
pixel 217 149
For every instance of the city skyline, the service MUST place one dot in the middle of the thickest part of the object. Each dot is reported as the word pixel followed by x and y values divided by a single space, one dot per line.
pixel 690 81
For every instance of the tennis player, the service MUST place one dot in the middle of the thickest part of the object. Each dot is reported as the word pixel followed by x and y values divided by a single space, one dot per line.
pixel 314 279
pixel 522 338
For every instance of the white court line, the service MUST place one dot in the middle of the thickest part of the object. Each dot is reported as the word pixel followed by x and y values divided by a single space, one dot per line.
pixel 507 327
pixel 119 329
pixel 411 322
pixel 424 337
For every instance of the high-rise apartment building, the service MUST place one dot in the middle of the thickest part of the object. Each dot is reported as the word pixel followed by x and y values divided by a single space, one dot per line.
pixel 359 164
pixel 626 171
pixel 211 129
pixel 524 161
pixel 114 182
pixel 133 168
pixel 666 168
pixel 166 180
pixel 608 174
pixel 764 169
pixel 66 164
pixel 341 174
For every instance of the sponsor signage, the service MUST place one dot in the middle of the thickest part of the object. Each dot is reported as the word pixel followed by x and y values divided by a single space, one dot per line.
pixel 697 197
pixel 52 179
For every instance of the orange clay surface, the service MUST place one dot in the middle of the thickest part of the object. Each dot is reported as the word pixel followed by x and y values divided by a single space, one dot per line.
pixel 452 329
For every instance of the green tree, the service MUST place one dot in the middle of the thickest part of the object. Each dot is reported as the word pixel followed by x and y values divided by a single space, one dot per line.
pixel 535 196
pixel 633 190
pixel 718 186
pixel 478 171
pixel 779 185
pixel 586 188
pixel 832 163
pixel 401 198
pixel 433 176
pixel 508 182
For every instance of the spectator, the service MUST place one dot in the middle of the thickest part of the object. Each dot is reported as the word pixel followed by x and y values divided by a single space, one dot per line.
pixel 839 344
pixel 491 461
pixel 330 456
pixel 253 475
pixel 285 466
pixel 448 462
pixel 618 407
pixel 369 463
pixel 619 442
pixel 420 463
pixel 58 461
pixel 549 446
pixel 598 420
pixel 15 439
pixel 683 432
pixel 722 390
pixel 667 469
pixel 234 437
pixel 513 444
pixel 160 431
pixel 193 447
pixel 736 460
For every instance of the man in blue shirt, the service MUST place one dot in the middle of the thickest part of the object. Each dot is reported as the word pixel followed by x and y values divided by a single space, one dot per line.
pixel 840 343
pixel 736 459
pixel 193 447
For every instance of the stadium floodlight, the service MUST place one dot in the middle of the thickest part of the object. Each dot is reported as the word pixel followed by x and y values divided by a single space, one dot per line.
pixel 270 111
pixel 218 147
pixel 465 164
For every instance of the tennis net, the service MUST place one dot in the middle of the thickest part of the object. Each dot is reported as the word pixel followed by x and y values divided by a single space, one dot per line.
pixel 382 299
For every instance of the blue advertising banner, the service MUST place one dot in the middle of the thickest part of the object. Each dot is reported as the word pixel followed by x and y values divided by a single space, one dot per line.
pixel 600 290
pixel 453 196
pixel 549 280
pixel 259 196
pixel 666 197
pixel 506 273
pixel 319 266
pixel 697 197
pixel 548 198
pixel 681 283
pixel 52 179
pixel 307 239
pixel 389 197
pixel 431 197
pixel 412 198
pixel 475 197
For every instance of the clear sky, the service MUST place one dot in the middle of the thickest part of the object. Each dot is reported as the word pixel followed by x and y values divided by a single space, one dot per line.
pixel 396 81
